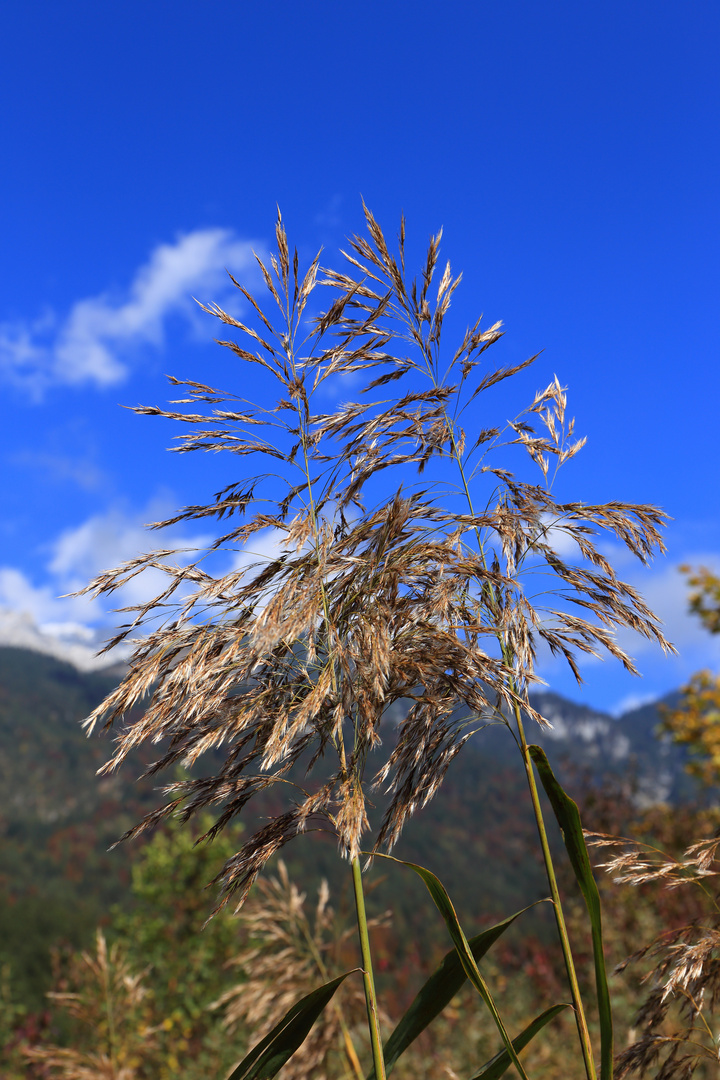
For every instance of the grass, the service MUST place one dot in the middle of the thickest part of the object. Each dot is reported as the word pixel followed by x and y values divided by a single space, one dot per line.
pixel 405 565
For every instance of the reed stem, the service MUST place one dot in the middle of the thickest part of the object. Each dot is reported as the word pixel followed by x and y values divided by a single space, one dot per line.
pixel 368 978
pixel 578 1008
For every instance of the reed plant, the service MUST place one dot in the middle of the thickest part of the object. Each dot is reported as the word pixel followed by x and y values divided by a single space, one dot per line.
pixel 285 953
pixel 403 567
pixel 107 999
pixel 675 1026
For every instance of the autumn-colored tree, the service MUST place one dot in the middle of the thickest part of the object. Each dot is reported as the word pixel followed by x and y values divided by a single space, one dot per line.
pixel 695 722
pixel 676 1024
pixel 705 598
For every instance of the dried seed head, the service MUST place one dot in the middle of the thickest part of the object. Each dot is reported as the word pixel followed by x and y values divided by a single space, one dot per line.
pixel 684 976
pixel 371 601
pixel 286 953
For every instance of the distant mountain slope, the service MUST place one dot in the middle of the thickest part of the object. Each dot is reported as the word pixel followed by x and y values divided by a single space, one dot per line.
pixel 602 744
pixel 72 642
pixel 48 765
pixel 57 819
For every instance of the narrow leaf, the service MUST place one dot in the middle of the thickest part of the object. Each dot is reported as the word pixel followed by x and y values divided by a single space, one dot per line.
pixel 444 905
pixel 568 818
pixel 268 1057
pixel 437 992
pixel 495 1068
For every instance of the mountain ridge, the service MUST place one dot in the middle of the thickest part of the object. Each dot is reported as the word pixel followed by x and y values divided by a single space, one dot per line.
pixel 58 820
pixel 73 643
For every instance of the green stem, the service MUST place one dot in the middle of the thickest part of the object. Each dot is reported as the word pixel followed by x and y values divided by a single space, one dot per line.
pixel 578 1007
pixel 368 979
pixel 580 1019
pixel 350 1051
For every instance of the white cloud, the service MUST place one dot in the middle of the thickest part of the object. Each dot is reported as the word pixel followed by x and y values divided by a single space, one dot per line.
pixel 665 590
pixel 558 538
pixel 93 344
pixel 630 702
pixel 72 642
pixel 63 467
pixel 42 603
pixel 44 618
pixel 107 540
pixel 262 547
pixel 77 554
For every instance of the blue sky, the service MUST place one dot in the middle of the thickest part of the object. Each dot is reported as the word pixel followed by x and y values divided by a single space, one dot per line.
pixel 570 152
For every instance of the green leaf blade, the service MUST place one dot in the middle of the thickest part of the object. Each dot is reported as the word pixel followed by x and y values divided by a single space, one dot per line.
pixel 568 818
pixel 267 1058
pixel 439 990
pixel 445 906
pixel 499 1064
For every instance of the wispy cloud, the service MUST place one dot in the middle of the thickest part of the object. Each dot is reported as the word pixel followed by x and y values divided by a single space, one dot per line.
pixel 112 538
pixel 42 602
pixel 94 343
pixel 77 554
pixel 60 467
pixel 35 615
pixel 665 590
pixel 630 702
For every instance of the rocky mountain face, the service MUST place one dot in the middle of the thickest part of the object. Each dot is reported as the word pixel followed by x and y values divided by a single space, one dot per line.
pixel 627 746
pixel 54 657
pixel 48 766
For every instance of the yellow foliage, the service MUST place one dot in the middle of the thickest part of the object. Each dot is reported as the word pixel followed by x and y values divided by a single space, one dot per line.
pixel 695 722
pixel 705 599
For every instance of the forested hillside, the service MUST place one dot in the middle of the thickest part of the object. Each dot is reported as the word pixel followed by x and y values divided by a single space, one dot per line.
pixel 58 818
